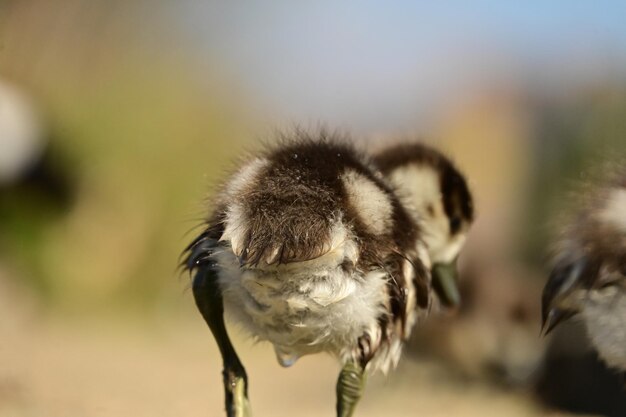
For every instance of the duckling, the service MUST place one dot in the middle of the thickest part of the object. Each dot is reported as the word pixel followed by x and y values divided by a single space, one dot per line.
pixel 439 200
pixel 310 249
pixel 589 274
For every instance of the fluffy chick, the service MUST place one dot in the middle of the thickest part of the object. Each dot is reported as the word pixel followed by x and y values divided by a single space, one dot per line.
pixel 589 274
pixel 310 249
pixel 313 249
pixel 437 195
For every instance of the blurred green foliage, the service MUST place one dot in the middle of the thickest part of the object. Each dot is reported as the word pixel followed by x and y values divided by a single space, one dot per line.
pixel 140 133
pixel 573 140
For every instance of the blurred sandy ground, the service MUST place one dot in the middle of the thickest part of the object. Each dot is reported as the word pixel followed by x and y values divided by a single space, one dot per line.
pixel 104 366
pixel 95 320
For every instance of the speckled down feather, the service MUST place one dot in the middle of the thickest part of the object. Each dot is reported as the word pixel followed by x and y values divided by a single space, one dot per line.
pixel 315 253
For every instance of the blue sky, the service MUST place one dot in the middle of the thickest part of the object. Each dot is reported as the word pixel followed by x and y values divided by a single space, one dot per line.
pixel 381 64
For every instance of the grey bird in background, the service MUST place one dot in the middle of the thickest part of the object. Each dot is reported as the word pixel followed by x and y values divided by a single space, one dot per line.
pixel 589 275
pixel 309 248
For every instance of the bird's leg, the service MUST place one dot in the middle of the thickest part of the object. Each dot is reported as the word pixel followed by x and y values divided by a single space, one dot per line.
pixel 350 386
pixel 209 301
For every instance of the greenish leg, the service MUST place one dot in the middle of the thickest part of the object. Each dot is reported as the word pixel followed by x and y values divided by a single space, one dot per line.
pixel 350 387
pixel 209 301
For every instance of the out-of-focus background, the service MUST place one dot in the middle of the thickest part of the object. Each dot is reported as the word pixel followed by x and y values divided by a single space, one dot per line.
pixel 118 117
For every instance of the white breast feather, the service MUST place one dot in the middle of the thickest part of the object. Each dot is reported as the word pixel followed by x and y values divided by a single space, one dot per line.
pixel 306 307
pixel 604 314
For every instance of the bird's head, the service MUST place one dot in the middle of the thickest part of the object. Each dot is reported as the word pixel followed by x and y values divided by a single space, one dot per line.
pixel 438 195
pixel 590 259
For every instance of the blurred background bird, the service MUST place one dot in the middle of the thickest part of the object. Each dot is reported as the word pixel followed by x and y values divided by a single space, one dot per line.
pixel 311 249
pixel 589 275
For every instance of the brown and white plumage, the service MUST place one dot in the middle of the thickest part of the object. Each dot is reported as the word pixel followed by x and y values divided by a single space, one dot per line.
pixel 315 253
pixel 437 195
pixel 311 249
pixel 589 274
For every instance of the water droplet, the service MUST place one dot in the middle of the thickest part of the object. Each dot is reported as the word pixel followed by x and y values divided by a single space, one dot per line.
pixel 286 359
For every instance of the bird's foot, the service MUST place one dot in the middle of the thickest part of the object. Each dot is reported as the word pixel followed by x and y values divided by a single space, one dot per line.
pixel 350 387
pixel 236 389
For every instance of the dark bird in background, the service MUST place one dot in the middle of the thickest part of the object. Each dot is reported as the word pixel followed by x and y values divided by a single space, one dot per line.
pixel 310 248
pixel 589 275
